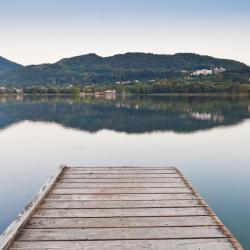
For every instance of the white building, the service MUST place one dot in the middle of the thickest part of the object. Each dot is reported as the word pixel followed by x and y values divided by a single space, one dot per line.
pixel 218 70
pixel 110 92
pixel 18 91
pixel 204 72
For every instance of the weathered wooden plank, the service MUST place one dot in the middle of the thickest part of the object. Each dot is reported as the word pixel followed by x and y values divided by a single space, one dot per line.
pixel 120 191
pixel 119 185
pixel 14 228
pixel 112 197
pixel 120 233
pixel 120 171
pixel 177 244
pixel 119 168
pixel 119 204
pixel 118 212
pixel 121 180
pixel 119 176
pixel 120 222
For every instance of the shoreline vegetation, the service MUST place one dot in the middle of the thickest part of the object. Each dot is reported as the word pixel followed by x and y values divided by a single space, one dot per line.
pixel 161 87
pixel 82 94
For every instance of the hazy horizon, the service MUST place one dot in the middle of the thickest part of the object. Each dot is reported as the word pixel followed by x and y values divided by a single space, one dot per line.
pixel 46 31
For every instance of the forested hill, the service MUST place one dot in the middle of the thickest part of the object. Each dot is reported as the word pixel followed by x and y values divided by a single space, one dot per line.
pixel 6 65
pixel 92 68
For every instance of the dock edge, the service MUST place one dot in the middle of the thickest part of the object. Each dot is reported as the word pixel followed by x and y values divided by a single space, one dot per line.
pixel 7 237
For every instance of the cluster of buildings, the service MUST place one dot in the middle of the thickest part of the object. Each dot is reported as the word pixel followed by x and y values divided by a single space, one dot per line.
pixel 126 82
pixel 2 89
pixel 12 90
pixel 134 81
pixel 218 70
pixel 203 72
pixel 206 72
pixel 107 94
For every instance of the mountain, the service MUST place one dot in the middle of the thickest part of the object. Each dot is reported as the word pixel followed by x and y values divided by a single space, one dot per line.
pixel 92 68
pixel 6 65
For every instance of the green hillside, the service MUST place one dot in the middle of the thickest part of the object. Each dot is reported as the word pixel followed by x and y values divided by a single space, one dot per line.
pixel 6 65
pixel 92 68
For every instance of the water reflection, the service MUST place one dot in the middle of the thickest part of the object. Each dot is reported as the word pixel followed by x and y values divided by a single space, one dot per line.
pixel 134 114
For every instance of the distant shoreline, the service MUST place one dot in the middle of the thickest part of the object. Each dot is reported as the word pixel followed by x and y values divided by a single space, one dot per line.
pixel 197 94
pixel 82 95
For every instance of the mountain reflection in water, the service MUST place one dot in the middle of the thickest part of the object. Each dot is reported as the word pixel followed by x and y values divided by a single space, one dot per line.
pixel 134 114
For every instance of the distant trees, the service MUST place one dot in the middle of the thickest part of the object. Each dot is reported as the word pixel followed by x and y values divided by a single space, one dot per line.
pixel 158 87
pixel 53 90
pixel 162 87
pixel 139 87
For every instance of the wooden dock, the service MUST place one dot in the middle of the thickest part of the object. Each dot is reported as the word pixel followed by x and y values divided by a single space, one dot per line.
pixel 118 208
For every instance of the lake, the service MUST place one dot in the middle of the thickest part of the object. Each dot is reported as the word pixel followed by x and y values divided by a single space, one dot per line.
pixel 207 138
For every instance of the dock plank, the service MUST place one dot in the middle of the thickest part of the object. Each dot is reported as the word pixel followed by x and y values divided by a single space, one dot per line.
pixel 177 244
pixel 135 197
pixel 120 180
pixel 119 185
pixel 118 176
pixel 119 204
pixel 117 212
pixel 120 233
pixel 183 190
pixel 120 168
pixel 120 222
pixel 120 171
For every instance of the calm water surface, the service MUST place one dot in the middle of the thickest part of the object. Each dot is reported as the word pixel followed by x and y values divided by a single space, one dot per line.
pixel 208 138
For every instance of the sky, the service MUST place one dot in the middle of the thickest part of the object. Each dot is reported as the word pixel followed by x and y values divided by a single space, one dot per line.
pixel 39 31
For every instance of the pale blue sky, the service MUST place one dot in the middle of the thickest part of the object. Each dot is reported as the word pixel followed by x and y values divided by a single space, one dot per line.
pixel 36 31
